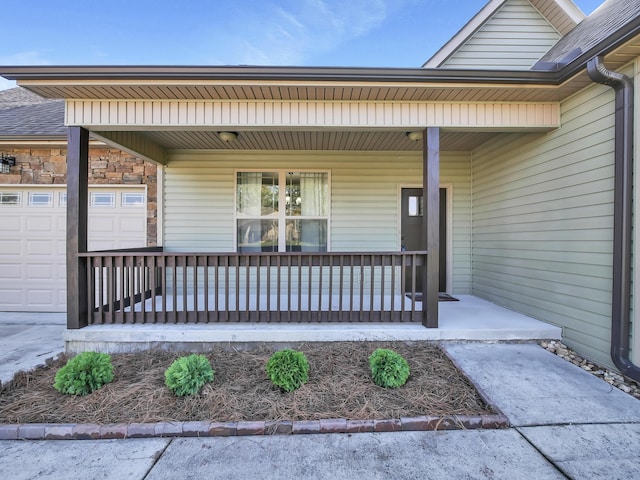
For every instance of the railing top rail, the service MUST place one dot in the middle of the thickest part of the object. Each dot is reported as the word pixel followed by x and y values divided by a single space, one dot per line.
pixel 158 253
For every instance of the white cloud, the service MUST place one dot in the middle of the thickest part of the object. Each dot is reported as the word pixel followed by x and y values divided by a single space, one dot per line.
pixel 291 32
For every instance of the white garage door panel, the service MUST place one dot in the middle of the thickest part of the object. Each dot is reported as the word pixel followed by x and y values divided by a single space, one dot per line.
pixel 101 223
pixel 40 296
pixel 11 271
pixel 40 271
pixel 9 248
pixel 40 247
pixel 32 258
pixel 39 223
pixel 11 298
pixel 11 225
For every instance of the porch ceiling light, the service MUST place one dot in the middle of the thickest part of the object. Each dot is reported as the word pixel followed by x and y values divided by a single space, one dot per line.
pixel 6 162
pixel 414 136
pixel 227 137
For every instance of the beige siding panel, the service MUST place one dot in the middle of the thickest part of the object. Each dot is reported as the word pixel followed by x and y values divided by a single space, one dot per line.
pixel 515 37
pixel 543 219
pixel 279 114
pixel 199 199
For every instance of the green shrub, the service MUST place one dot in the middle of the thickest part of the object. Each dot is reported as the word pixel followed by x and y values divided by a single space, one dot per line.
pixel 84 373
pixel 288 369
pixel 388 368
pixel 187 375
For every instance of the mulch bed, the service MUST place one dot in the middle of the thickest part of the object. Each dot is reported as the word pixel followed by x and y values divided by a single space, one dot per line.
pixel 339 387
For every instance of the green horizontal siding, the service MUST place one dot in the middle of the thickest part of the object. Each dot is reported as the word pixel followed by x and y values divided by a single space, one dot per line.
pixel 543 222
pixel 199 199
pixel 515 37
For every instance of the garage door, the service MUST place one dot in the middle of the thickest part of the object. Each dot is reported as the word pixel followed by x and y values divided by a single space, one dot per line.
pixel 32 243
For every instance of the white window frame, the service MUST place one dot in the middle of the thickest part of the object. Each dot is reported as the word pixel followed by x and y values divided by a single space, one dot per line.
pixel 32 202
pixel 126 195
pixel 282 217
pixel 95 195
pixel 62 199
pixel 4 195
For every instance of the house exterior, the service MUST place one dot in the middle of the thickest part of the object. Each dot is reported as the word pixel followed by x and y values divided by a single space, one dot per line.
pixel 308 179
pixel 122 199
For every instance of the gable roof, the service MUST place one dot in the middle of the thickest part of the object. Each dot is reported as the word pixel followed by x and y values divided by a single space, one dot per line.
pixel 42 119
pixel 563 15
pixel 612 17
pixel 19 97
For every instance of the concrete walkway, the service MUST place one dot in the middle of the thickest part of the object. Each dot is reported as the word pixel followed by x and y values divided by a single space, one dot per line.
pixel 566 423
pixel 27 340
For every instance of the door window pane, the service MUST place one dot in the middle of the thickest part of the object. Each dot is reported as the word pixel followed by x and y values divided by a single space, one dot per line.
pixel 415 206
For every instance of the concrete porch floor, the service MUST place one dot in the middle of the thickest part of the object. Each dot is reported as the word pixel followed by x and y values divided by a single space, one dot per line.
pixel 470 319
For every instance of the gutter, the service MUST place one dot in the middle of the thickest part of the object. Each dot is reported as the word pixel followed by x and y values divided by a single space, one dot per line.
pixel 622 214
pixel 282 74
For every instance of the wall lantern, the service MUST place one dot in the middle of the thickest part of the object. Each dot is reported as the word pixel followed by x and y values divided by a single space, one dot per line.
pixel 6 162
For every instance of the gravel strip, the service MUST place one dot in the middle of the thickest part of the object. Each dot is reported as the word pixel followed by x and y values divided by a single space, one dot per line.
pixel 613 378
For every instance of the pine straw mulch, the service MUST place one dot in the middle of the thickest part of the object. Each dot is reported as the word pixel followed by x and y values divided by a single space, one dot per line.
pixel 339 387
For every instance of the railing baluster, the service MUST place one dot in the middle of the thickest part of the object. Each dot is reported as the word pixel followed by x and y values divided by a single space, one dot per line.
pixel 372 268
pixel 383 267
pixel 320 286
pixel 206 288
pixel 393 285
pixel 258 287
pixel 194 259
pixel 330 286
pixel 216 288
pixel 309 282
pixel 360 313
pixel 289 282
pixel 268 289
pixel 299 262
pixel 414 283
pixel 100 301
pixel 341 290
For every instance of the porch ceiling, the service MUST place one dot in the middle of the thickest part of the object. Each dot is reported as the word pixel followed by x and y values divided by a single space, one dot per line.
pixel 314 140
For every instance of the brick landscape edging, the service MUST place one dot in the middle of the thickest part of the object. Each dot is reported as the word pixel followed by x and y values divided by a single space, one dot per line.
pixel 88 431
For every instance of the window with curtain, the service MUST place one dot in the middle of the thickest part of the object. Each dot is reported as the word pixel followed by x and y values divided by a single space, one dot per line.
pixel 282 211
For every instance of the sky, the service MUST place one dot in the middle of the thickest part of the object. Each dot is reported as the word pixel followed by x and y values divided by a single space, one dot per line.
pixel 341 33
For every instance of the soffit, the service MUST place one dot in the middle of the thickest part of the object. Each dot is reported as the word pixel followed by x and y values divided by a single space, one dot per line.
pixel 315 140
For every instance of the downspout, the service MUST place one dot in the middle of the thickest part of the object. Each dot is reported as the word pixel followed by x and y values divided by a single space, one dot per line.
pixel 622 214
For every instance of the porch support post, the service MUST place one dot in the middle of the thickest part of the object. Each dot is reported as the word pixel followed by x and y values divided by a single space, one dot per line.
pixel 77 215
pixel 431 225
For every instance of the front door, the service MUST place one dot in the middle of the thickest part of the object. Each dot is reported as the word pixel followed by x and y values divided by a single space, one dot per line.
pixel 412 237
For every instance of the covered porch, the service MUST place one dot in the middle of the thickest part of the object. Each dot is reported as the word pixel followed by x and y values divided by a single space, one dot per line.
pixel 369 135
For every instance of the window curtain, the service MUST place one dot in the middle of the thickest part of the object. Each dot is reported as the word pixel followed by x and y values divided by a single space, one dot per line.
pixel 250 193
pixel 313 192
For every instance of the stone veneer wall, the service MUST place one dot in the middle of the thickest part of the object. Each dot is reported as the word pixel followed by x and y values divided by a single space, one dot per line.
pixel 42 166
